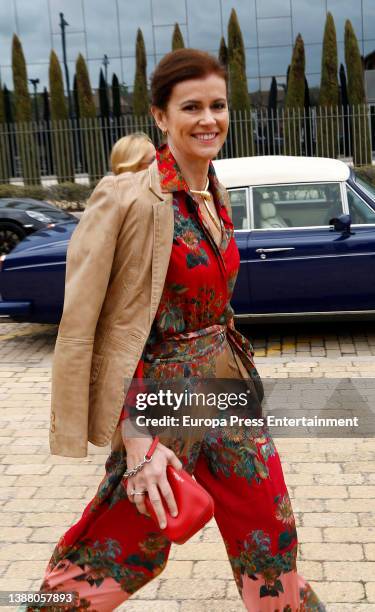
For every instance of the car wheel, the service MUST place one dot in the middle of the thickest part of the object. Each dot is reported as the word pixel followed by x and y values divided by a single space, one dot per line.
pixel 10 235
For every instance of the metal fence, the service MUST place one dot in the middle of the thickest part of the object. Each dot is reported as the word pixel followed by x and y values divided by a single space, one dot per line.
pixel 79 149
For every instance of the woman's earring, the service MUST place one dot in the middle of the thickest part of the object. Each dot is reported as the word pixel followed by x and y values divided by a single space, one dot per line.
pixel 165 132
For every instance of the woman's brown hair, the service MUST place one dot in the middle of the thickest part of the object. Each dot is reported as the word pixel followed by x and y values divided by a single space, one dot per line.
pixel 182 65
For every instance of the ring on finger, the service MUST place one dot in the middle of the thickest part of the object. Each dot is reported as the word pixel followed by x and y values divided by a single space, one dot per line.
pixel 135 492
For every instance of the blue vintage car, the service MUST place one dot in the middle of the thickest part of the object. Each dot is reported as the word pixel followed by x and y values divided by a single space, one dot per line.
pixel 305 228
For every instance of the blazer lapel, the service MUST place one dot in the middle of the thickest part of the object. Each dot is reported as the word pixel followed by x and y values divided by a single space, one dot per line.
pixel 162 239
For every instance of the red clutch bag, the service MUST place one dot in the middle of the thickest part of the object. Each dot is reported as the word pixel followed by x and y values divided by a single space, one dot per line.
pixel 195 507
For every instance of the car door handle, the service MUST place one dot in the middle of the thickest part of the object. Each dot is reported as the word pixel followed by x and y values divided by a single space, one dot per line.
pixel 274 250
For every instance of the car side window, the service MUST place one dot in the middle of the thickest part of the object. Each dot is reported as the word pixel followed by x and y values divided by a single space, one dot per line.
pixel 299 205
pixel 238 200
pixel 359 211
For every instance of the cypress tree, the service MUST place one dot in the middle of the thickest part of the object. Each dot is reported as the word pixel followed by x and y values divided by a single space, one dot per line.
pixel 327 136
pixel 22 103
pixel 239 95
pixel 357 98
pixel 60 114
pixel 22 99
pixel 140 93
pixel 223 52
pixel 116 98
pixel 237 65
pixel 103 97
pixel 329 87
pixel 59 109
pixel 177 38
pixel 296 83
pixel 93 154
pixel 86 102
pixel 295 99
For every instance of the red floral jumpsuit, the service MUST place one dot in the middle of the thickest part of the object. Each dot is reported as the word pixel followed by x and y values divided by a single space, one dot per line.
pixel 113 550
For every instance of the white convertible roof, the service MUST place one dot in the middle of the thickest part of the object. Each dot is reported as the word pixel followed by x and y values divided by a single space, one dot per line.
pixel 272 169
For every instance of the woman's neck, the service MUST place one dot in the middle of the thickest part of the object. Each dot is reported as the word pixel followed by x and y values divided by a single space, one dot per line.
pixel 193 170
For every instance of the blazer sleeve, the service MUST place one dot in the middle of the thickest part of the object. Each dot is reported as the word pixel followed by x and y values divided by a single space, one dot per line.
pixel 88 267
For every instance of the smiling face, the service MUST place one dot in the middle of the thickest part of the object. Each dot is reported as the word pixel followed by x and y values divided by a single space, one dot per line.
pixel 196 118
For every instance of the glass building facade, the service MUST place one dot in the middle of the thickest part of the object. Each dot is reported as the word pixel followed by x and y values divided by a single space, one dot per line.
pixel 98 27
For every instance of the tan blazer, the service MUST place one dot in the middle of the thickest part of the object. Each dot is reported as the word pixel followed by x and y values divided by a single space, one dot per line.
pixel 117 260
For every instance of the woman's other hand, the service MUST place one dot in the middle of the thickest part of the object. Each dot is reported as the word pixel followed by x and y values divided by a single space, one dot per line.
pixel 152 478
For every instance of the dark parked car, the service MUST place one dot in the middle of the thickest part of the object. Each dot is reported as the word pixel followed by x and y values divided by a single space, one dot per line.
pixel 305 229
pixel 21 217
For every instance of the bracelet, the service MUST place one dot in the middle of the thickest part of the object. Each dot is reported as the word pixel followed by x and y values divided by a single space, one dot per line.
pixel 146 459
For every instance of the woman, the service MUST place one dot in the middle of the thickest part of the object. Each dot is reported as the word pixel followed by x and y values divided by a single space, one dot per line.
pixel 132 153
pixel 147 295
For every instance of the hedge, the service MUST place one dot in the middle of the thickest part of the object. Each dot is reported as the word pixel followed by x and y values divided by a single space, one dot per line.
pixel 367 173
pixel 68 196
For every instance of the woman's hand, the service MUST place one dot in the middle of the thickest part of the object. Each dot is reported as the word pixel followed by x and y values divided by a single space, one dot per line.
pixel 152 478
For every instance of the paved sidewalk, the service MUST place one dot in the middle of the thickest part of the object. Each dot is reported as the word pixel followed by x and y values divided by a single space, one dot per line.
pixel 331 481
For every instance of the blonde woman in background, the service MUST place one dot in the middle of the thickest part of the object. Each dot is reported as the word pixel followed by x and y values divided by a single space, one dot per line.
pixel 132 153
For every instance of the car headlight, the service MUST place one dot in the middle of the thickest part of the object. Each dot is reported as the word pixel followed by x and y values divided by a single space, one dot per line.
pixel 38 216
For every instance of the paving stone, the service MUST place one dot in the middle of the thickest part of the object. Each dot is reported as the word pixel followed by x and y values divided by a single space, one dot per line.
pixel 370 551
pixel 339 591
pixel 58 492
pixel 349 534
pixel 310 570
pixel 331 551
pixel 18 551
pixel 322 492
pixel 344 570
pixel 46 534
pixel 178 569
pixel 192 589
pixel 349 505
pixel 366 519
pixel 28 569
pixel 201 550
pixel 359 467
pixel 309 534
pixel 330 519
pixel 212 569
pixel 317 468
pixel 44 519
pixel 360 492
pixel 7 493
pixel 14 534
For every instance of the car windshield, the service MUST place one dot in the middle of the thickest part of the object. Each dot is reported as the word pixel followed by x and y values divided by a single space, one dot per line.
pixel 366 185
